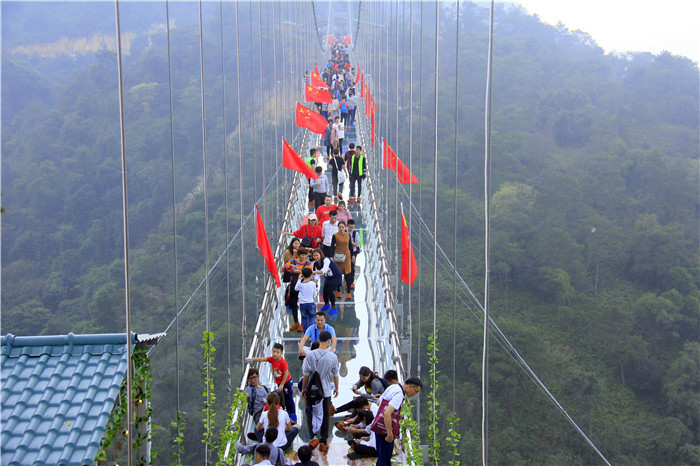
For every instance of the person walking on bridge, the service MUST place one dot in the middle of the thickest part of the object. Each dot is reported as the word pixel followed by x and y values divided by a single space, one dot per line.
pixel 358 171
pixel 323 361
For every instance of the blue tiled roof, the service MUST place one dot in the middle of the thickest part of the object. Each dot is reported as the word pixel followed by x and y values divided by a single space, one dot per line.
pixel 57 395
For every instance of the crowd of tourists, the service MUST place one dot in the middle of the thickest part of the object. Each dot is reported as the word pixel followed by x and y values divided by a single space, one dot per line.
pixel 319 263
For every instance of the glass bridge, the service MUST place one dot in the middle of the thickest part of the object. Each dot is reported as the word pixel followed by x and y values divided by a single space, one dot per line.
pixel 365 325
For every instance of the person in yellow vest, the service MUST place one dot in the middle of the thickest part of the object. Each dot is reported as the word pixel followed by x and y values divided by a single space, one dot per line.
pixel 358 171
pixel 312 161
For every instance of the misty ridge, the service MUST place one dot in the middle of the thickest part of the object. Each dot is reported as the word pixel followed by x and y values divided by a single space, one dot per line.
pixel 595 204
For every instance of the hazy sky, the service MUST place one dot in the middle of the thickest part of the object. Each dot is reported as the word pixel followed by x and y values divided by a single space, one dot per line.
pixel 629 25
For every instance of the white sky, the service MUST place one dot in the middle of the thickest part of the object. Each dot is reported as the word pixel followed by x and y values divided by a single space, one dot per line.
pixel 628 25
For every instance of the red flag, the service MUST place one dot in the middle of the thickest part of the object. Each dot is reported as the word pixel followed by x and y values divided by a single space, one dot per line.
pixel 316 81
pixel 331 39
pixel 311 94
pixel 362 86
pixel 373 130
pixel 291 160
pixel 390 157
pixel 347 40
pixel 316 69
pixel 403 173
pixel 263 244
pixel 359 73
pixel 307 118
pixel 408 259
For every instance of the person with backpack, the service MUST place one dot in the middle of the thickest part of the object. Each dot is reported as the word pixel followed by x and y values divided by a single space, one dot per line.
pixel 256 394
pixel 320 366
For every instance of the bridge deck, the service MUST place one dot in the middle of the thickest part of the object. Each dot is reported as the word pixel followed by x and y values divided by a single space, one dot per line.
pixel 361 328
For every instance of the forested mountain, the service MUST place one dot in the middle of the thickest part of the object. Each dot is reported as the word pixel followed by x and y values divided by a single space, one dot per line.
pixel 594 208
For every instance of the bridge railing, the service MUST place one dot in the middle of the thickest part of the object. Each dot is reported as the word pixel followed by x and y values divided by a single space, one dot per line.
pixel 270 323
pixel 378 253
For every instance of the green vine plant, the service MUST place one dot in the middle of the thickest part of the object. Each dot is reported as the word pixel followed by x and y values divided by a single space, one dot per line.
pixel 433 439
pixel 179 440
pixel 411 446
pixel 141 393
pixel 232 429
pixel 208 394
pixel 114 426
pixel 453 438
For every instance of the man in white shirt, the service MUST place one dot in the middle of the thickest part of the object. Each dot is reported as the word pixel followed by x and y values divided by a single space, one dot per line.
pixel 329 228
pixel 395 395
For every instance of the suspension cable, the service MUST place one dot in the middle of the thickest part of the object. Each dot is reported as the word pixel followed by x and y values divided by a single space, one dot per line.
pixel 262 107
pixel 276 100
pixel 206 216
pixel 253 110
pixel 357 28
pixel 435 187
pixel 154 349
pixel 487 195
pixel 225 148
pixel 240 184
pixel 125 223
pixel 397 243
pixel 501 338
pixel 454 283
pixel 318 34
pixel 172 177
pixel 410 186
pixel 420 201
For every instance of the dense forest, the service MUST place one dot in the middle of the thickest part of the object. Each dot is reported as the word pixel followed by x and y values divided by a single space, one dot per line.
pixel 595 270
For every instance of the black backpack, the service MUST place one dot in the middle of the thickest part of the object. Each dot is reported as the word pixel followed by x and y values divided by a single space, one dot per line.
pixel 314 389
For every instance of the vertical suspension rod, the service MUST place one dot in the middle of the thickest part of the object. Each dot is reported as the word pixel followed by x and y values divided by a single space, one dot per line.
pixel 206 216
pixel 225 147
pixel 172 176
pixel 487 195
pixel 435 182
pixel 262 107
pixel 240 185
pixel 454 283
pixel 410 185
pixel 125 224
